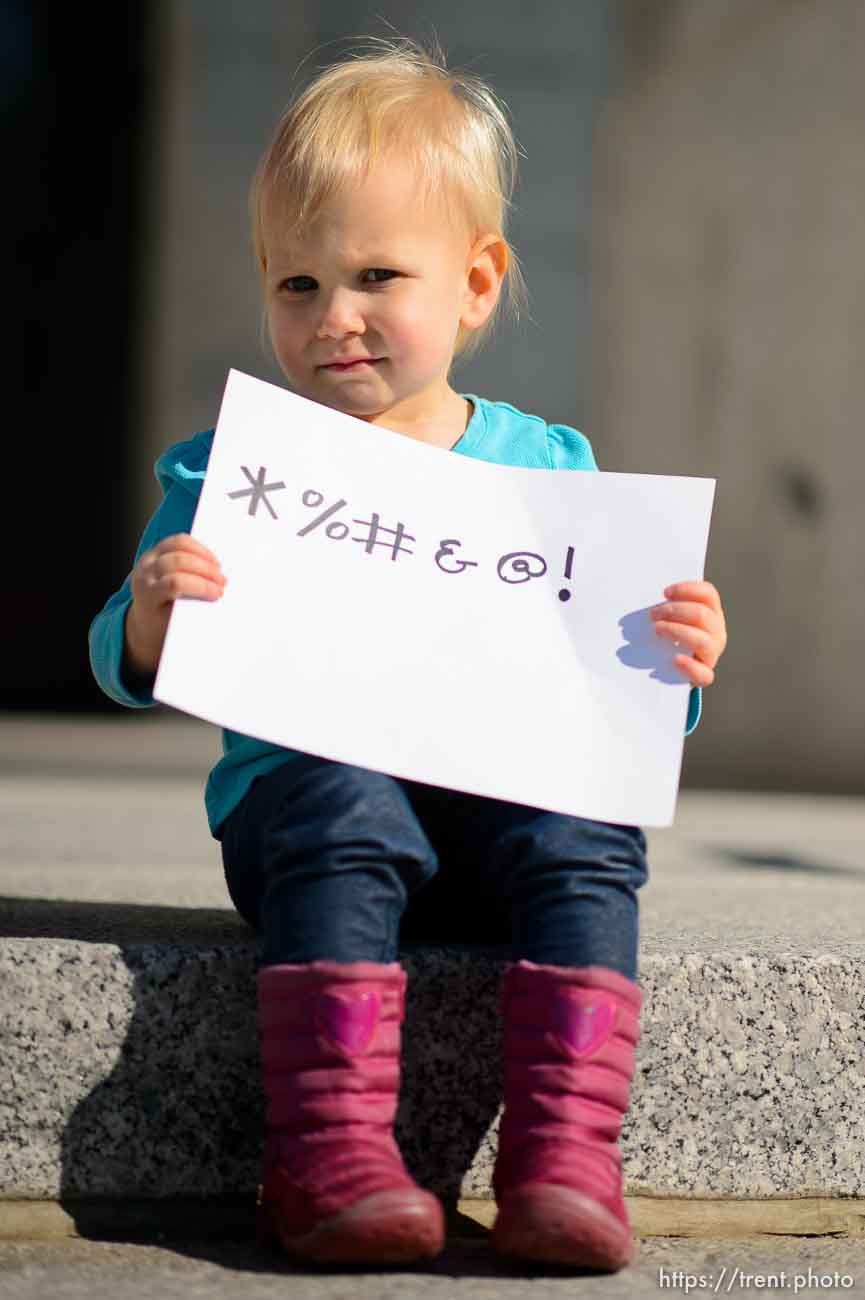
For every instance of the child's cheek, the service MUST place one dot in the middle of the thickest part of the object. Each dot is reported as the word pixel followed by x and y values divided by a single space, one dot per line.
pixel 423 331
pixel 411 324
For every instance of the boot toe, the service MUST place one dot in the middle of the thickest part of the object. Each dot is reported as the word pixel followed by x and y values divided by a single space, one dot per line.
pixel 396 1226
pixel 552 1224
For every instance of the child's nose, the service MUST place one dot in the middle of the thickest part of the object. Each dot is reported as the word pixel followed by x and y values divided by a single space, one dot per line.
pixel 340 315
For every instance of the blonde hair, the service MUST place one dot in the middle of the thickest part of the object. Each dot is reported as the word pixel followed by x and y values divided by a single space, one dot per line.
pixel 404 100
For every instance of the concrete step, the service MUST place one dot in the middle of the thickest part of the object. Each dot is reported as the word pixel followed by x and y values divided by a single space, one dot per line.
pixel 132 1072
pixel 128 1056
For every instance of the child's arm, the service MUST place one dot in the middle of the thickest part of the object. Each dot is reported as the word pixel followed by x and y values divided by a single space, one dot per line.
pixel 127 636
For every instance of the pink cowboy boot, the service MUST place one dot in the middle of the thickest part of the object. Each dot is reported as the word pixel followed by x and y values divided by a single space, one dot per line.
pixel 335 1188
pixel 569 1039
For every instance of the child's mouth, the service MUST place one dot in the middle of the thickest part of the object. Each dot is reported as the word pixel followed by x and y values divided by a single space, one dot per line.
pixel 352 365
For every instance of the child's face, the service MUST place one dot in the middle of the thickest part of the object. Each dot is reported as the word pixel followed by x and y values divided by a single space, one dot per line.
pixel 376 277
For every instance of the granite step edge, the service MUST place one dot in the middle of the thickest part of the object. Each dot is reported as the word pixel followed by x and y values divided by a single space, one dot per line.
pixel 133 1073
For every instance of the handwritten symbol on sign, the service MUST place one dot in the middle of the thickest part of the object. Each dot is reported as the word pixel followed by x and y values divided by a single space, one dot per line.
pixel 446 550
pixel 256 493
pixel 313 498
pixel 521 564
pixel 372 539
pixel 564 594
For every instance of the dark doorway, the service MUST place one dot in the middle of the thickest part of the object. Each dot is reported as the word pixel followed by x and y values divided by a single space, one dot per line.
pixel 73 90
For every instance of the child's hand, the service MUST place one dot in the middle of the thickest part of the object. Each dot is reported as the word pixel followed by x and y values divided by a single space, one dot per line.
pixel 177 566
pixel 692 616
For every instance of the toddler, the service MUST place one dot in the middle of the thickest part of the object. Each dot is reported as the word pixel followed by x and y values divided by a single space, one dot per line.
pixel 379 218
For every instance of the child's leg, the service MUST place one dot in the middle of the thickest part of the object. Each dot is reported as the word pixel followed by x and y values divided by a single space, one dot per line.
pixel 572 889
pixel 321 859
pixel 563 889
pixel 571 1023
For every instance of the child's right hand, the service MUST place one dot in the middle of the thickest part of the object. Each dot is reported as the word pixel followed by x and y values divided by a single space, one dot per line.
pixel 177 566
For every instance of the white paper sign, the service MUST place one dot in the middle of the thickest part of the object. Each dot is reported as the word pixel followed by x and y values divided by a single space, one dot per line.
pixel 443 619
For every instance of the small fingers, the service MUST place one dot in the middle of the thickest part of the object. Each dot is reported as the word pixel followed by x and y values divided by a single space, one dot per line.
pixel 184 542
pixel 698 666
pixel 701 644
pixel 698 590
pixel 167 572
pixel 682 611
pixel 693 617
pixel 697 674
pixel 162 565
pixel 172 585
pixel 710 626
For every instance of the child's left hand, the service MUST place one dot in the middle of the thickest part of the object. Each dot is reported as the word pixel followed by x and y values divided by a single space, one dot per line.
pixel 692 615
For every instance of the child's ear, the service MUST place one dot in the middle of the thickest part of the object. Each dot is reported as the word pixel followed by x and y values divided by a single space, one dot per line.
pixel 487 266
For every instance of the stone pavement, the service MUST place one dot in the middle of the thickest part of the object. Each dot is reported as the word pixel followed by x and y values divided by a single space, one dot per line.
pixel 467 1270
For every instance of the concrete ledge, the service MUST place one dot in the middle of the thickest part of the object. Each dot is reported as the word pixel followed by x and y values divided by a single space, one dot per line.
pixel 130 1073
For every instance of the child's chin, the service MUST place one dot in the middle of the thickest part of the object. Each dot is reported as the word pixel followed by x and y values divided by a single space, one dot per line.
pixel 339 402
pixel 357 403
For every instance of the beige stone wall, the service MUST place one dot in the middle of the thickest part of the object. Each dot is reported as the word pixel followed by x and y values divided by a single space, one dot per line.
pixel 731 289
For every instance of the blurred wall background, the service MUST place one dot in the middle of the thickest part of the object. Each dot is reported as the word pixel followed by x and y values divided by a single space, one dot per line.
pixel 733 307
pixel 229 71
pixel 687 222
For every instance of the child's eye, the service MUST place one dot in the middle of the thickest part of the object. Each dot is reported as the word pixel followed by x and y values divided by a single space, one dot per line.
pixel 380 270
pixel 306 284
pixel 291 284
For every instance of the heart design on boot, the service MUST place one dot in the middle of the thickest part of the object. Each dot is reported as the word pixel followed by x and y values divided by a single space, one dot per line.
pixel 349 1022
pixel 583 1022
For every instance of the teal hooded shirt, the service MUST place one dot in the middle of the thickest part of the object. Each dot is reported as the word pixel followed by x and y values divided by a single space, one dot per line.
pixel 496 432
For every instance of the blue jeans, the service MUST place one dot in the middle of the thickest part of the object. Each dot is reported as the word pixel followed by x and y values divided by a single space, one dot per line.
pixel 328 861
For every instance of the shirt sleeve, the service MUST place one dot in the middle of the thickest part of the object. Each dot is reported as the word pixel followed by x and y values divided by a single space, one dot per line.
pixel 173 515
pixel 569 449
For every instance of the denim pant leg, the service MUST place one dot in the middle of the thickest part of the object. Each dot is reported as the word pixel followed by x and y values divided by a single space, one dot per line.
pixel 321 857
pixel 569 884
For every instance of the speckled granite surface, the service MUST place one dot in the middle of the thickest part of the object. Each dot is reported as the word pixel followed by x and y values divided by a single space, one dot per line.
pixel 132 1071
